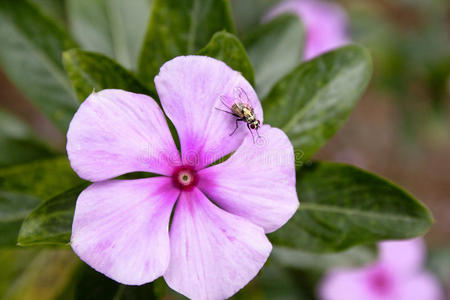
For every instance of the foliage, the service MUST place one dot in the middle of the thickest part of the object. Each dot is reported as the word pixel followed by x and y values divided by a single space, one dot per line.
pixel 227 48
pixel 314 100
pixel 180 27
pixel 19 143
pixel 114 28
pixel 30 54
pixel 341 206
pixel 275 49
pixel 86 71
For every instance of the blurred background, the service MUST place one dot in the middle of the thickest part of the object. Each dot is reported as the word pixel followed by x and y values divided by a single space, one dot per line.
pixel 401 127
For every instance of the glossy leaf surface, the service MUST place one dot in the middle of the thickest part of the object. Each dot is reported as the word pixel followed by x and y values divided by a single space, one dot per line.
pixel 312 102
pixel 343 206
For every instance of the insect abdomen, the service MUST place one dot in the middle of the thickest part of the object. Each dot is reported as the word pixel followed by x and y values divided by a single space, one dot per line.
pixel 237 110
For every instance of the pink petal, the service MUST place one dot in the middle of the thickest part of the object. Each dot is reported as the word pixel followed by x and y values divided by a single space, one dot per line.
pixel 190 89
pixel 325 24
pixel 423 286
pixel 116 132
pixel 344 285
pixel 404 257
pixel 213 253
pixel 120 228
pixel 257 182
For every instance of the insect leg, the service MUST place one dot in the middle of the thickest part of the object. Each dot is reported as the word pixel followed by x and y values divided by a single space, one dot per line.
pixel 258 133
pixel 249 129
pixel 228 112
pixel 237 126
pixel 223 102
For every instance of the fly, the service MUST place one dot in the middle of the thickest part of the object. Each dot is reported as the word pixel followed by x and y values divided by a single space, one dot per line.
pixel 243 112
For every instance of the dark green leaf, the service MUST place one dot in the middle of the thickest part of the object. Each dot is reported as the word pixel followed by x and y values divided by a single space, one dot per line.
pixel 30 54
pixel 113 27
pixel 342 206
pixel 54 8
pixel 87 284
pixel 51 222
pixel 353 257
pixel 89 71
pixel 42 179
pixel 227 48
pixel 23 187
pixel 18 143
pixel 180 27
pixel 14 207
pixel 275 49
pixel 314 100
pixel 273 283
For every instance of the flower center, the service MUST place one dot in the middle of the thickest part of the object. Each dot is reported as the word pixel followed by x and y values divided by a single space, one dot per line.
pixel 184 178
pixel 380 282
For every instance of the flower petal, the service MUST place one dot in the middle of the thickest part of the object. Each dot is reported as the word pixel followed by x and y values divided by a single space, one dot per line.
pixel 190 89
pixel 423 286
pixel 325 24
pixel 257 182
pixel 115 132
pixel 404 257
pixel 120 228
pixel 213 253
pixel 344 284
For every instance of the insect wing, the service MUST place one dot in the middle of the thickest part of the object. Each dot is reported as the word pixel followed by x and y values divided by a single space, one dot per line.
pixel 227 102
pixel 241 95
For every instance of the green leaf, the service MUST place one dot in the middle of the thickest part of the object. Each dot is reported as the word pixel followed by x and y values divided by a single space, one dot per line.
pixel 275 49
pixel 180 27
pixel 43 179
pixel 88 284
pixel 58 274
pixel 51 222
pixel 353 257
pixel 343 206
pixel 23 187
pixel 89 71
pixel 30 54
pixel 273 283
pixel 18 142
pixel 113 27
pixel 53 8
pixel 314 100
pixel 247 14
pixel 44 277
pixel 14 207
pixel 227 48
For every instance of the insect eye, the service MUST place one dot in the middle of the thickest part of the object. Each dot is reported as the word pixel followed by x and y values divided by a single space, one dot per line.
pixel 252 126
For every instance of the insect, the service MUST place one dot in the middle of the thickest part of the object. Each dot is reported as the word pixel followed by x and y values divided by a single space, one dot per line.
pixel 243 112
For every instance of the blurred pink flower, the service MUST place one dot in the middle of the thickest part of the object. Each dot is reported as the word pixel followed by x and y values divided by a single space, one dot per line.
pixel 216 242
pixel 397 275
pixel 325 24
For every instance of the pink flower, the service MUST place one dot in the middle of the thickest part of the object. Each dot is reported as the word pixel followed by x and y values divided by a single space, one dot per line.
pixel 325 24
pixel 216 242
pixel 397 275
